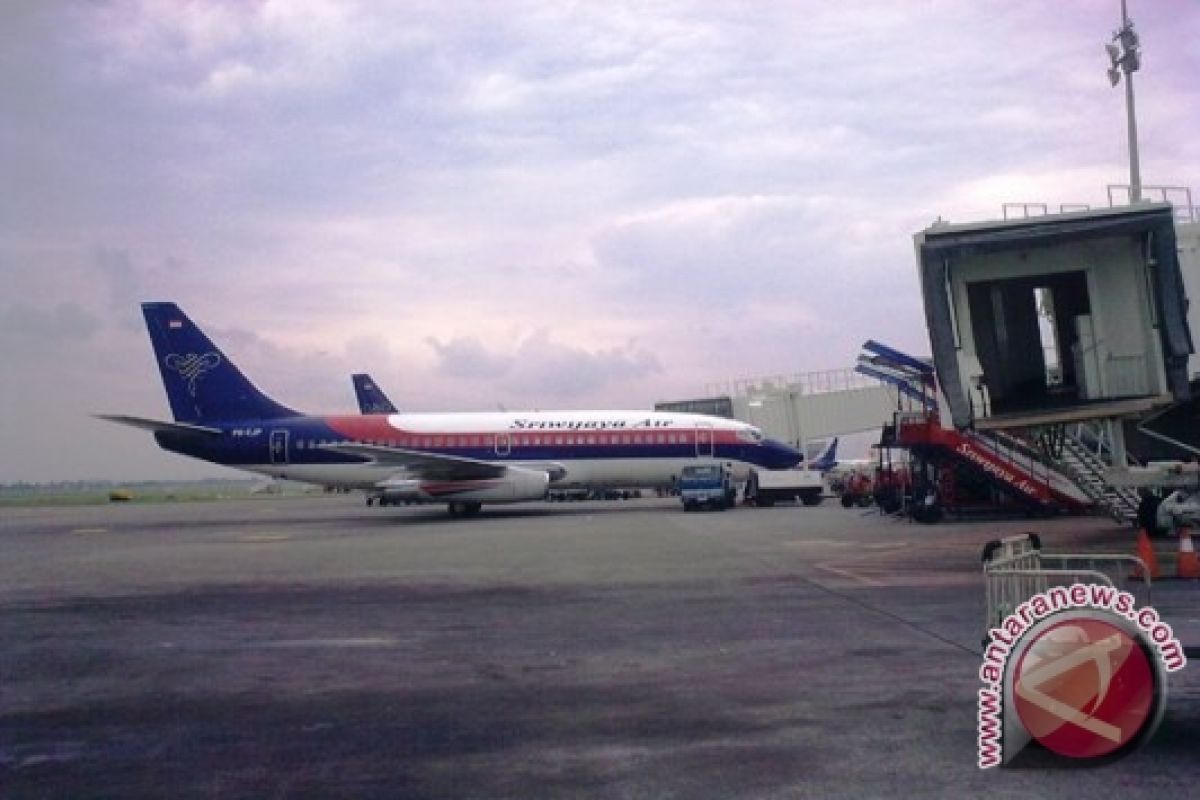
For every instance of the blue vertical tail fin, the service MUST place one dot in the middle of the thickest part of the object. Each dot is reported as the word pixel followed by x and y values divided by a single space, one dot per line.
pixel 827 460
pixel 371 399
pixel 202 384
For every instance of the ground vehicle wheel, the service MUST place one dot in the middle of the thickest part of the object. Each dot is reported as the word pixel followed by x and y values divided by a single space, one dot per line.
pixel 927 514
pixel 463 508
pixel 811 499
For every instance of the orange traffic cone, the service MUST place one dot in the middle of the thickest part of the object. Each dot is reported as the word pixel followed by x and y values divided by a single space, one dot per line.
pixel 1187 566
pixel 1145 551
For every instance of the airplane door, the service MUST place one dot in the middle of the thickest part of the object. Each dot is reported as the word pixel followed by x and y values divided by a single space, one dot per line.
pixel 279 447
pixel 503 444
pixel 704 441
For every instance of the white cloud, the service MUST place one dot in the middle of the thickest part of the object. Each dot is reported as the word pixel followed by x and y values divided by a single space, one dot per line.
pixel 541 370
pixel 591 203
pixel 29 330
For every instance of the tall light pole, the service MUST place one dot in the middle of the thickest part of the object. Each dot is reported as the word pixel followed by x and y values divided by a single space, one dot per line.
pixel 1126 57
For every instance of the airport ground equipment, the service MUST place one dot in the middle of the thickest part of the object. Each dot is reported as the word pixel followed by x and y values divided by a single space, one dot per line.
pixel 1044 469
pixel 1029 480
pixel 1081 450
pixel 1181 509
pixel 1016 568
pixel 961 471
pixel 855 490
pixel 707 486
pixel 767 487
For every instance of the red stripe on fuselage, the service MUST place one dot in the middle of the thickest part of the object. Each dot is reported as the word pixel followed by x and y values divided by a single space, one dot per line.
pixel 376 429
pixel 443 488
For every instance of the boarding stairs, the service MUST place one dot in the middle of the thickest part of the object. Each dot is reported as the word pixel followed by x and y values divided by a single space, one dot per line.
pixel 1069 476
pixel 1011 464
pixel 1088 469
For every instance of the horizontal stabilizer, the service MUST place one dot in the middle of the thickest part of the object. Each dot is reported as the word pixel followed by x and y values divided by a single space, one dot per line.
pixel 158 425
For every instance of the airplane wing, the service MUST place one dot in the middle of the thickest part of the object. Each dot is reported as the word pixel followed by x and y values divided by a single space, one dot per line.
pixel 158 425
pixel 434 466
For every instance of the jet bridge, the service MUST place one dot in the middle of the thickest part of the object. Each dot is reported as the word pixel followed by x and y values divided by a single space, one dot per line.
pixel 800 407
pixel 1056 319
pixel 963 469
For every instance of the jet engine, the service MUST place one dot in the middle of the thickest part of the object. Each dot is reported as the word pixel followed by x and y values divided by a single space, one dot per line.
pixel 516 485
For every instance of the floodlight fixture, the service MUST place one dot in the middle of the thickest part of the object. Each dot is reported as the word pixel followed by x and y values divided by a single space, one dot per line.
pixel 1127 58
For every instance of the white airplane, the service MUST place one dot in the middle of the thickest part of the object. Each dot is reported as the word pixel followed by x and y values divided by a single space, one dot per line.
pixel 461 459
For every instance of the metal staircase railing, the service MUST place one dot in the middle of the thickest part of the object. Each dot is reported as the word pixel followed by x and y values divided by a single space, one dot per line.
pixel 1061 483
pixel 1088 469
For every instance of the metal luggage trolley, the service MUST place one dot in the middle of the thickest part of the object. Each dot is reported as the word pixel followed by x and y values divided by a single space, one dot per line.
pixel 1015 569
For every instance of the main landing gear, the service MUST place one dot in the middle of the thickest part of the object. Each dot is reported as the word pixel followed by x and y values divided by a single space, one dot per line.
pixel 463 508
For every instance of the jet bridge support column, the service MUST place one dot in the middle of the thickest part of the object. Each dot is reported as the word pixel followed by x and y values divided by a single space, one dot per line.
pixel 1116 435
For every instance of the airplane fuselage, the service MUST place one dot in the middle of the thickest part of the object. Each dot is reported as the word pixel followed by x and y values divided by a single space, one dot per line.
pixel 577 448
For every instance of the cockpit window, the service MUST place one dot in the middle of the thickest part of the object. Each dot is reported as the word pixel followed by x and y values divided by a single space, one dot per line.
pixel 750 434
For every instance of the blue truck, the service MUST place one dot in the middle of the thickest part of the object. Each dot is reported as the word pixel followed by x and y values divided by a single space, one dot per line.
pixel 706 486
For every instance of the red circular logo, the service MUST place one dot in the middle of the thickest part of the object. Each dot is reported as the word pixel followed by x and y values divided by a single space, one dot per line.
pixel 1084 688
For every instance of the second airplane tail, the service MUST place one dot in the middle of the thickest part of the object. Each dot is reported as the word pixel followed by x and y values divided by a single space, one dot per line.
pixel 371 399
pixel 827 460
pixel 202 384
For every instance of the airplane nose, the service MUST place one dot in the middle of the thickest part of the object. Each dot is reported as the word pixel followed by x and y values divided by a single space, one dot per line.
pixel 783 455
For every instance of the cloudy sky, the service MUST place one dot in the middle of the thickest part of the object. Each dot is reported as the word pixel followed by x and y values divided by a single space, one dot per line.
pixel 544 205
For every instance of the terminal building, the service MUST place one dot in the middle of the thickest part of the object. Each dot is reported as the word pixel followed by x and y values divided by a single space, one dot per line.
pixel 800 408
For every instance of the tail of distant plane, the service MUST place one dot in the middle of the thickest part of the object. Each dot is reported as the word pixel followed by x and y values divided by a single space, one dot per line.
pixel 827 460
pixel 371 399
pixel 203 385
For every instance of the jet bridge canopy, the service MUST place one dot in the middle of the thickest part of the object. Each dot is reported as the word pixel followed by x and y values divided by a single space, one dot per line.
pixel 1067 314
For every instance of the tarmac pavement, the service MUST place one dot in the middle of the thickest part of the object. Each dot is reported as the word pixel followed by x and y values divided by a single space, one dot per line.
pixel 313 647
